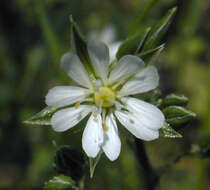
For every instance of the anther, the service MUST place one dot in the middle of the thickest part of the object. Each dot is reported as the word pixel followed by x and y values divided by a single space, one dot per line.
pixel 77 105
pixel 95 115
pixel 104 126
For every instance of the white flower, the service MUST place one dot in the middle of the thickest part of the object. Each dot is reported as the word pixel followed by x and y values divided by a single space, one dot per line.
pixel 108 36
pixel 106 98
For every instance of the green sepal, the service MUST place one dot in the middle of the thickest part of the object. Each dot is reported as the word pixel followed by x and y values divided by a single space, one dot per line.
pixel 93 163
pixel 159 29
pixel 169 132
pixel 43 117
pixel 78 43
pixel 175 99
pixel 177 115
pixel 151 55
pixel 60 182
pixel 134 44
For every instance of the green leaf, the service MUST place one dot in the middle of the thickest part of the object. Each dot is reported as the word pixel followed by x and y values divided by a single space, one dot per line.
pixel 60 182
pixel 78 43
pixel 133 44
pixel 137 23
pixel 159 29
pixel 43 117
pixel 93 163
pixel 151 55
pixel 177 115
pixel 175 99
pixel 169 132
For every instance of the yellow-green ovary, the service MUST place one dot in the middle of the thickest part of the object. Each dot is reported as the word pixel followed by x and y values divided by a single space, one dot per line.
pixel 105 94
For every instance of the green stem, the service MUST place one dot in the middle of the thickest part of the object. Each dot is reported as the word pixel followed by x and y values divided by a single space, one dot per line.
pixel 151 179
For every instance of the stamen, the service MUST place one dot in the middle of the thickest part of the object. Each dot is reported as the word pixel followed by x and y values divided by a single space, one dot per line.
pixel 105 128
pixel 95 115
pixel 77 105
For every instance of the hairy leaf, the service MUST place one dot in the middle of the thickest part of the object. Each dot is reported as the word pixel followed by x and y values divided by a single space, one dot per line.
pixel 177 115
pixel 151 55
pixel 60 182
pixel 78 43
pixel 43 117
pixel 159 29
pixel 175 99
pixel 133 44
pixel 169 132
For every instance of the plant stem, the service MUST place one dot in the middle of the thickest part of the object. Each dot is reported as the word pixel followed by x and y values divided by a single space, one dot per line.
pixel 151 178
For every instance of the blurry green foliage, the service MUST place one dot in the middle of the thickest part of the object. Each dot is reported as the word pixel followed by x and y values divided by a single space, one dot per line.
pixel 29 57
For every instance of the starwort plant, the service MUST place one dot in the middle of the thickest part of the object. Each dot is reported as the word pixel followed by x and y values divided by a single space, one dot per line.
pixel 107 91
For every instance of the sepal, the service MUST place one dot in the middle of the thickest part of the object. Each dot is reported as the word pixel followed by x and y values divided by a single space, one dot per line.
pixel 43 117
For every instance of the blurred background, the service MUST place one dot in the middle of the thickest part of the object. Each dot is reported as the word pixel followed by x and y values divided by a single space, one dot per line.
pixel 33 36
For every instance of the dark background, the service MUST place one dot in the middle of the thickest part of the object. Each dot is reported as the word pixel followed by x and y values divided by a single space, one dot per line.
pixel 33 36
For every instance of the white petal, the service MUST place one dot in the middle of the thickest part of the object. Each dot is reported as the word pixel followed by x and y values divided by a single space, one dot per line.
pixel 127 66
pixel 69 117
pixel 144 81
pixel 71 63
pixel 113 48
pixel 99 55
pixel 60 96
pixel 134 124
pixel 150 116
pixel 112 144
pixel 93 136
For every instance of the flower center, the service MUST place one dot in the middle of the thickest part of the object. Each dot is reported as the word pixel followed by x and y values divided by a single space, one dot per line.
pixel 104 96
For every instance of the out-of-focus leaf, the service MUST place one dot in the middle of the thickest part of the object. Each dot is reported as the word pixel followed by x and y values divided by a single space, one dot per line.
pixel 78 43
pixel 133 44
pixel 159 29
pixel 169 132
pixel 200 151
pixel 177 115
pixel 70 162
pixel 93 163
pixel 60 182
pixel 151 55
pixel 48 32
pixel 137 23
pixel 175 99
pixel 43 117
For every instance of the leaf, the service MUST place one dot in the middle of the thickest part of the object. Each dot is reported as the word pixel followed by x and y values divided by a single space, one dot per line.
pixel 169 132
pixel 78 43
pixel 43 117
pixel 151 55
pixel 93 163
pixel 159 29
pixel 137 22
pixel 177 115
pixel 133 44
pixel 60 182
pixel 175 99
